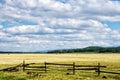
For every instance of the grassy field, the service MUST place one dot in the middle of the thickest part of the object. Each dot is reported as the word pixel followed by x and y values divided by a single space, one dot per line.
pixel 112 61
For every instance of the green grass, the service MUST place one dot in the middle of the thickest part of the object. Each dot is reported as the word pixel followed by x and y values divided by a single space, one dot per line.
pixel 56 75
pixel 12 76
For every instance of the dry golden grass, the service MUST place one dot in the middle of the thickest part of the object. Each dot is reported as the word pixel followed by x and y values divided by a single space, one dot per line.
pixel 40 58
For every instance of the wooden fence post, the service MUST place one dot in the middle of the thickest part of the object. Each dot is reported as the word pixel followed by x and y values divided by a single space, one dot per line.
pixel 73 68
pixel 98 69
pixel 45 67
pixel 23 65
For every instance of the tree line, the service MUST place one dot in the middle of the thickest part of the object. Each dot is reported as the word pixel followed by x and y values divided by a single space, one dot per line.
pixel 95 49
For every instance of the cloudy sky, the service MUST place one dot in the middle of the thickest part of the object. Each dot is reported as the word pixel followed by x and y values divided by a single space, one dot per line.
pixel 36 25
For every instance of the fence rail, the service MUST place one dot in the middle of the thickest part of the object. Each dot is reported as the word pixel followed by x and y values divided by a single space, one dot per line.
pixel 90 66
pixel 35 66
pixel 84 69
pixel 109 72
pixel 59 64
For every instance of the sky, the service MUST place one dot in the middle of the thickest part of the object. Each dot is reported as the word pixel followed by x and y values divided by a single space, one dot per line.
pixel 39 25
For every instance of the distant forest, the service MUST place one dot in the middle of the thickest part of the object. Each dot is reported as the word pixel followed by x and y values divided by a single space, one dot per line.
pixel 94 49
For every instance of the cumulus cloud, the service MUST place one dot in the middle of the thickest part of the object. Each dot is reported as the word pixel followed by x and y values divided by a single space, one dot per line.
pixel 28 30
pixel 59 24
pixel 53 8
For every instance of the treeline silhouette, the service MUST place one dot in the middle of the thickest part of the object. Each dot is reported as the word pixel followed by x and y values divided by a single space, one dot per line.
pixel 95 49
pixel 5 52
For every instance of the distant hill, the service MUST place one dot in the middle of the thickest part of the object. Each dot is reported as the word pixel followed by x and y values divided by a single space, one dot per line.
pixel 95 49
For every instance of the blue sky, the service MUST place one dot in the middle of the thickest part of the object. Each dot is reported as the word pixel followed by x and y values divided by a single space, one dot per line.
pixel 38 25
pixel 7 24
pixel 113 25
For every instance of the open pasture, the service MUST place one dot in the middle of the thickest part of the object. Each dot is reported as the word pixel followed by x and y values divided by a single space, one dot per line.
pixel 112 61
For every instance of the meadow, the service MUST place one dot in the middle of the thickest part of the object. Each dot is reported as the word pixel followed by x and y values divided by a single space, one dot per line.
pixel 112 61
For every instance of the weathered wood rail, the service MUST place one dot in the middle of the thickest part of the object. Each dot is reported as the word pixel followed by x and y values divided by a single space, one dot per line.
pixel 58 64
pixel 110 72
pixel 12 69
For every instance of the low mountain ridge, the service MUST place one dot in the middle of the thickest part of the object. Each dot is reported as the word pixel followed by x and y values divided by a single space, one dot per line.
pixel 89 49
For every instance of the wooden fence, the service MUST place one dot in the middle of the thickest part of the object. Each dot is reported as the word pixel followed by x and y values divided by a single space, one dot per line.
pixel 70 67
pixel 78 67
pixel 74 67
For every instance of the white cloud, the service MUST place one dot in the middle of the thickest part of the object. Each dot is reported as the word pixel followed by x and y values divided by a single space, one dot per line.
pixel 53 8
pixel 28 29
pixel 60 24
pixel 1 26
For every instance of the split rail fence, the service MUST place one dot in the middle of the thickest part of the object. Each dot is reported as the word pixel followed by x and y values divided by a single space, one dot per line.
pixel 71 67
